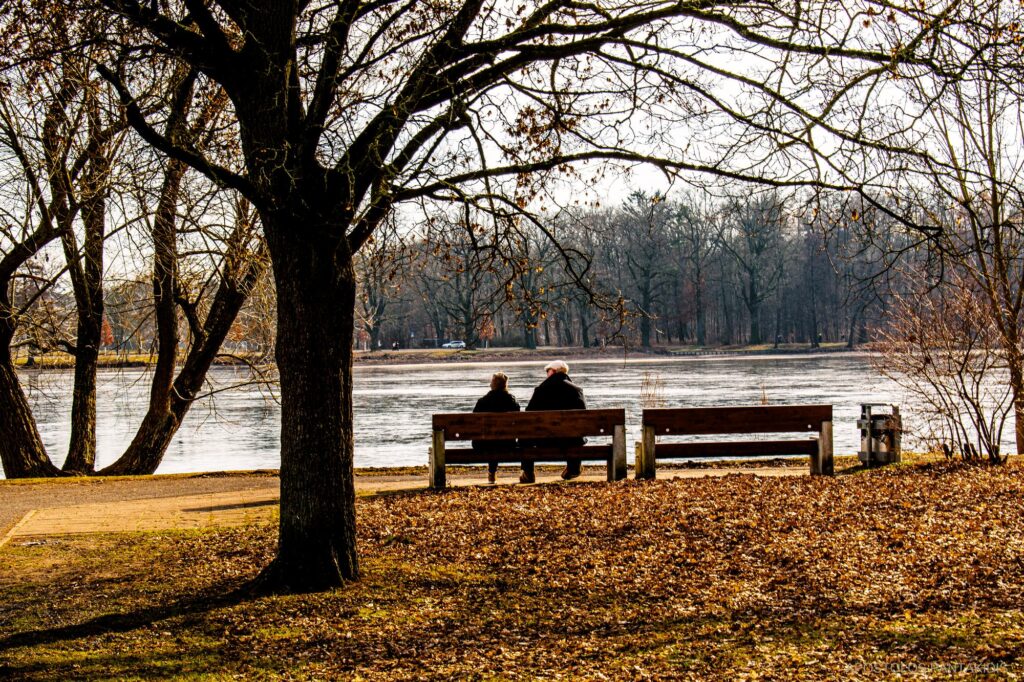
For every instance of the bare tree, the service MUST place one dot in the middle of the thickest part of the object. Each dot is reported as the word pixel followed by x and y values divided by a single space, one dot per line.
pixel 210 317
pixel 753 237
pixel 468 274
pixel 645 247
pixel 63 136
pixel 942 344
pixel 971 186
pixel 66 136
pixel 378 269
pixel 695 231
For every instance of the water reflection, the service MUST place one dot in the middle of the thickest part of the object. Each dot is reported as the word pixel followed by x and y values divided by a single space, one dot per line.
pixel 393 404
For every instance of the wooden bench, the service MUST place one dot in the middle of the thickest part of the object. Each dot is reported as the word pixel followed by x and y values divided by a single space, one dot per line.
pixel 701 421
pixel 466 426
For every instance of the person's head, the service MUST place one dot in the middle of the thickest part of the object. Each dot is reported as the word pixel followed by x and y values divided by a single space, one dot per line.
pixel 556 367
pixel 499 382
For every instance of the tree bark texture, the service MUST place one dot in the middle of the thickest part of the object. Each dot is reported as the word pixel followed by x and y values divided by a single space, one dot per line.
pixel 21 449
pixel 81 457
pixel 165 285
pixel 87 279
pixel 315 284
pixel 22 453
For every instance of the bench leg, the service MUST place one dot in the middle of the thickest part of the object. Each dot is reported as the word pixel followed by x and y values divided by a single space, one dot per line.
pixel 822 463
pixel 437 475
pixel 645 462
pixel 617 465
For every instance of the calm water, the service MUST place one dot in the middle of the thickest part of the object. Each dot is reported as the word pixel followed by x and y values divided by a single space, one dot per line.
pixel 239 429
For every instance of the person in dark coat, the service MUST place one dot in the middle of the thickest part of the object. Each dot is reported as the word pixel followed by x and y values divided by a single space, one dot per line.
pixel 498 399
pixel 557 392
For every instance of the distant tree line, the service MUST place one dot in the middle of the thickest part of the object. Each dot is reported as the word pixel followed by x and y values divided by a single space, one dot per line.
pixel 657 270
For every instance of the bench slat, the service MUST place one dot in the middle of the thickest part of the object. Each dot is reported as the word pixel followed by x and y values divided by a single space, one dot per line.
pixel 755 448
pixel 588 453
pixel 729 420
pixel 549 424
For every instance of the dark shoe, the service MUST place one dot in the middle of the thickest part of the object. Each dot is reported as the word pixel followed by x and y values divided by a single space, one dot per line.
pixel 490 477
pixel 569 475
pixel 527 478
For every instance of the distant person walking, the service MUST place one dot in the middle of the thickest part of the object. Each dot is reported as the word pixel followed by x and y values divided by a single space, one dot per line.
pixel 557 392
pixel 498 399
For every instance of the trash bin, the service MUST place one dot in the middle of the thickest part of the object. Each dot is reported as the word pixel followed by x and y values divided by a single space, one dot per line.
pixel 880 429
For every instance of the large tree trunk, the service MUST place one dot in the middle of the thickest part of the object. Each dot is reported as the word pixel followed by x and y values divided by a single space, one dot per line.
pixel 315 284
pixel 22 453
pixel 87 278
pixel 469 325
pixel 565 335
pixel 529 336
pixel 165 286
pixel 81 457
pixel 21 449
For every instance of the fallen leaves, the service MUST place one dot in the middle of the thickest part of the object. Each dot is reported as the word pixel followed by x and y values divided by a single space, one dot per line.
pixel 910 571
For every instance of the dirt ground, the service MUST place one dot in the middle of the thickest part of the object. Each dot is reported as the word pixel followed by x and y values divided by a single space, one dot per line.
pixel 34 509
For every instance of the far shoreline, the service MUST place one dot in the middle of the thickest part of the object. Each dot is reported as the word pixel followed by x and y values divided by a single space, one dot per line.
pixel 512 355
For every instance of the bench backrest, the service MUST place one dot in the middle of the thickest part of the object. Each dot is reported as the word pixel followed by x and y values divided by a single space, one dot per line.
pixel 546 424
pixel 695 421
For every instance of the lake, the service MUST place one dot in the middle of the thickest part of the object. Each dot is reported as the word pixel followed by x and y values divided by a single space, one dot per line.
pixel 239 428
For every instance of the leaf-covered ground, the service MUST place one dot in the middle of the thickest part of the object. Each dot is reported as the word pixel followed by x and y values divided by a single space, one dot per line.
pixel 912 573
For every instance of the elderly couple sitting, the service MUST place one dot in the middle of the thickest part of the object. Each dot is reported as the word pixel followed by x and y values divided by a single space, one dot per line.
pixel 556 392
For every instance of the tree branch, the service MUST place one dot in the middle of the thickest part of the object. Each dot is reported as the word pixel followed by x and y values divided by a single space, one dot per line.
pixel 219 175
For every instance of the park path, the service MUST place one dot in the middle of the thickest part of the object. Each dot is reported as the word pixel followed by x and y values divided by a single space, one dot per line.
pixel 30 512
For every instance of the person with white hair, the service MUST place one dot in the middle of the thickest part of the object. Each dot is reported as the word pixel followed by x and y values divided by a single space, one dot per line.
pixel 556 392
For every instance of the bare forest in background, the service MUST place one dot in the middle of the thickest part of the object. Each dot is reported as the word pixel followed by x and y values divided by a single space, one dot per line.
pixel 677 270
pixel 674 270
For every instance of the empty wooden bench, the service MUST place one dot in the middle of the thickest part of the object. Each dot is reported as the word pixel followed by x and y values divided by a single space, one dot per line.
pixel 467 426
pixel 703 421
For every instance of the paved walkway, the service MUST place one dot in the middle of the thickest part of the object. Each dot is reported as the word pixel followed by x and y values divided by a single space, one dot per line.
pixel 45 509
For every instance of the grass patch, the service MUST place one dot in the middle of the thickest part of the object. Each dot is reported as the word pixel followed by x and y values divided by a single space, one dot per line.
pixel 914 571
